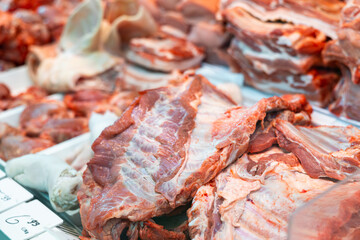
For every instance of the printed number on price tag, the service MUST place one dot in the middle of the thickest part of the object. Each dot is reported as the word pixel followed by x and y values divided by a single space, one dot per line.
pixel 27 220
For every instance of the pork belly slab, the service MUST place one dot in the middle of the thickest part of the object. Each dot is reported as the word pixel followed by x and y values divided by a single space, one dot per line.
pixel 323 15
pixel 167 144
pixel 280 57
pixel 253 198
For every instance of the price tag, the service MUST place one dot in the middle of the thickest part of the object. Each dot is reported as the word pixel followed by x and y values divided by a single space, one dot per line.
pixel 28 220
pixel 55 234
pixel 2 174
pixel 12 194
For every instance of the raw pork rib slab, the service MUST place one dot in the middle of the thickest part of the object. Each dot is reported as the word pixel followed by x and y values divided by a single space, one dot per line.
pixel 280 57
pixel 324 151
pixel 253 198
pixel 323 15
pixel 167 144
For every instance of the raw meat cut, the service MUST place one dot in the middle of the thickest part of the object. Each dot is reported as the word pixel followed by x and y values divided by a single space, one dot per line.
pixel 278 46
pixel 84 102
pixel 31 95
pixel 120 101
pixel 7 100
pixel 336 211
pixel 16 146
pixel 167 144
pixel 198 21
pixel 18 31
pixel 59 130
pixel 25 23
pixel 164 53
pixel 265 136
pixel 345 51
pixel 34 116
pixel 253 198
pixel 323 15
pixel 324 151
pixel 280 57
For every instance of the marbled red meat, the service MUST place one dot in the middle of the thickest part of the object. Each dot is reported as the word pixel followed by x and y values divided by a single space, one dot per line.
pixel 24 23
pixel 167 144
pixel 18 31
pixel 35 116
pixel 59 130
pixel 84 102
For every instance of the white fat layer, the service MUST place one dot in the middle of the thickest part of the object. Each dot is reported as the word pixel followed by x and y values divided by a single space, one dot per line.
pixel 163 65
pixel 290 86
pixel 268 54
pixel 201 145
pixel 162 48
pixel 283 14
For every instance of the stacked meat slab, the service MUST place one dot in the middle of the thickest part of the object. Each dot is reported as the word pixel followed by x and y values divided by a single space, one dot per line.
pixel 242 165
pixel 278 45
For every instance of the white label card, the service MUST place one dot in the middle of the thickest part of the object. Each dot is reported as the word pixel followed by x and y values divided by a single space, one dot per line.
pixel 12 194
pixel 2 174
pixel 28 220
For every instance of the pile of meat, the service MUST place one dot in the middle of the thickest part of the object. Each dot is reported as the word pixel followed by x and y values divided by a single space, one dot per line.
pixel 44 122
pixel 41 125
pixel 281 47
pixel 298 47
pixel 196 21
pixel 27 22
pixel 245 170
